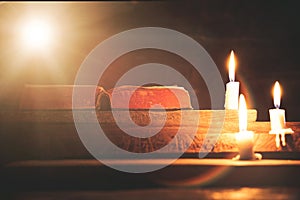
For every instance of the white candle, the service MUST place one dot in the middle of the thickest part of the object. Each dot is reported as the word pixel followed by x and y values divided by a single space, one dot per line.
pixel 245 144
pixel 244 139
pixel 277 116
pixel 232 87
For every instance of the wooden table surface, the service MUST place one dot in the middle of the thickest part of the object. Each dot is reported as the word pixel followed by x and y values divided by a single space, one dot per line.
pixel 235 193
pixel 51 134
pixel 42 157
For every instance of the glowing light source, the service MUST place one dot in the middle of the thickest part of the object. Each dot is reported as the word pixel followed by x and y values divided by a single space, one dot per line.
pixel 231 66
pixel 232 87
pixel 37 34
pixel 277 118
pixel 277 94
pixel 244 138
pixel 242 113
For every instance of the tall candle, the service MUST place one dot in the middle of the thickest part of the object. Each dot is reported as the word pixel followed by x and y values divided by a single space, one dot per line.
pixel 232 87
pixel 277 115
pixel 244 138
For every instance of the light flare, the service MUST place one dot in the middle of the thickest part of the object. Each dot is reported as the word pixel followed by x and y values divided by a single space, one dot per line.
pixel 37 34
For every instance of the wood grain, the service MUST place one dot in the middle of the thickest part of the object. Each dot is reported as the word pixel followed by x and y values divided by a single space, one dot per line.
pixel 202 140
pixel 140 117
pixel 52 134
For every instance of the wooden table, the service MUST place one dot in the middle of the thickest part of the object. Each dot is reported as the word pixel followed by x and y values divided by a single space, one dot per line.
pixel 51 134
pixel 42 156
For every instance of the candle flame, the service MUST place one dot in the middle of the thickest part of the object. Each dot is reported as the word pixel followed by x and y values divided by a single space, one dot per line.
pixel 277 94
pixel 242 113
pixel 231 66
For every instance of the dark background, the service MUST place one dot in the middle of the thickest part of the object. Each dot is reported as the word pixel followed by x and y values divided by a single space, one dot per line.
pixel 264 35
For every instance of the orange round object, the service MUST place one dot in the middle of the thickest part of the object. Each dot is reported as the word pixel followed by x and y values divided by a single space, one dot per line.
pixel 154 97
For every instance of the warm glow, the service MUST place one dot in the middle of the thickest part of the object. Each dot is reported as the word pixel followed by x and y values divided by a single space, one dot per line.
pixel 242 114
pixel 36 34
pixel 277 94
pixel 231 66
